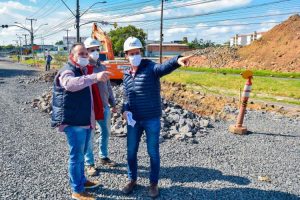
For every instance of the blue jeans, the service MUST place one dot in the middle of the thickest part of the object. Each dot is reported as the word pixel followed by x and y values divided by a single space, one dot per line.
pixel 89 154
pixel 105 126
pixel 152 129
pixel 77 139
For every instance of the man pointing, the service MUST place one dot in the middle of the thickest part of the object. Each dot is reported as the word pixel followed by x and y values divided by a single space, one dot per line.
pixel 73 114
pixel 142 99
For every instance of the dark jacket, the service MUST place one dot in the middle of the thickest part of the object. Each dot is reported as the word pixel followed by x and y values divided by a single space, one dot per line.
pixel 142 92
pixel 48 58
pixel 70 108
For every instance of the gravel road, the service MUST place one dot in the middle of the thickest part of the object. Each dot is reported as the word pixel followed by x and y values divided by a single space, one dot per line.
pixel 220 166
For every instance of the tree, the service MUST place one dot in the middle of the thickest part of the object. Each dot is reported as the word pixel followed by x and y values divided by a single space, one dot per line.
pixel 185 40
pixel 226 43
pixel 119 35
pixel 200 44
pixel 59 42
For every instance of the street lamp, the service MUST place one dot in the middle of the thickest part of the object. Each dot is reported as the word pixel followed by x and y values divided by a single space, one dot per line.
pixel 21 26
pixel 30 31
pixel 40 27
pixel 78 15
pixel 95 21
pixel 92 6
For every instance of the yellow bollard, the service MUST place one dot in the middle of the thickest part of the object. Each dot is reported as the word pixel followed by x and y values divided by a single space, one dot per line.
pixel 238 128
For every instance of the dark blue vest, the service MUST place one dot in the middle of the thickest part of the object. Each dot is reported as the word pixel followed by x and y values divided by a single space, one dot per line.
pixel 71 108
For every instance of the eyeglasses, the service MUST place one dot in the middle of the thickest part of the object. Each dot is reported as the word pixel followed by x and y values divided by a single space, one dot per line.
pixel 95 50
pixel 135 53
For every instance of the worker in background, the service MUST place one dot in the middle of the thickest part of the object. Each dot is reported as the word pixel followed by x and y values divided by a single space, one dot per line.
pixel 142 109
pixel 48 61
pixel 73 114
pixel 108 105
pixel 19 57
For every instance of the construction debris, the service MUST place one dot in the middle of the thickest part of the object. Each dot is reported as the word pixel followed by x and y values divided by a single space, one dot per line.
pixel 277 50
pixel 44 77
pixel 214 57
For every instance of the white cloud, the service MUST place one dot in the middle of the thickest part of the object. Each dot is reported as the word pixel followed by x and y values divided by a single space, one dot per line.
pixel 176 30
pixel 178 33
pixel 267 25
pixel 14 5
pixel 17 11
pixel 218 5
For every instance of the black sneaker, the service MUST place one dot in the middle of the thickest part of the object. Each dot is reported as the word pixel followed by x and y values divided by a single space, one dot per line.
pixel 108 162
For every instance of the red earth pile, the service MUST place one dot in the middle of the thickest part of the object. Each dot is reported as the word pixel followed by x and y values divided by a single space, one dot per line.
pixel 277 50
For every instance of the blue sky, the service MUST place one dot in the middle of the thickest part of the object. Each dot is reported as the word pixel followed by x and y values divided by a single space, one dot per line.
pixel 211 20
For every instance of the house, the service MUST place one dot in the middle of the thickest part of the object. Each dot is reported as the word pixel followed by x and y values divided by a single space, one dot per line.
pixel 246 39
pixel 168 49
pixel 41 47
pixel 70 40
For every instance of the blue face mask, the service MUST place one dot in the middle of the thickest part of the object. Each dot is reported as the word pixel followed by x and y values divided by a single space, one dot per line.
pixel 135 60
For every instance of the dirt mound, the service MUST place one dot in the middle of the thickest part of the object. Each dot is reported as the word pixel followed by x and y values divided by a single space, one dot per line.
pixel 277 50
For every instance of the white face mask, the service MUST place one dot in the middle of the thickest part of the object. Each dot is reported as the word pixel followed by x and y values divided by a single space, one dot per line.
pixel 94 55
pixel 82 61
pixel 135 60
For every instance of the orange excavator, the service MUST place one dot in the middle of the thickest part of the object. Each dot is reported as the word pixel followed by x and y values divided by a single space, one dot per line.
pixel 117 67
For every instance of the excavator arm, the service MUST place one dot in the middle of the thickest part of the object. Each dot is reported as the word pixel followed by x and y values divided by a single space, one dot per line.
pixel 100 35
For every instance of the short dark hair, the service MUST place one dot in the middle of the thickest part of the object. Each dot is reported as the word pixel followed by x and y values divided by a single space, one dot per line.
pixel 75 45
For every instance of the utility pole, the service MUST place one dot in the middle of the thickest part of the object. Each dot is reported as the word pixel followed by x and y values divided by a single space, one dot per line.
pixel 78 15
pixel 25 38
pixel 42 41
pixel 31 34
pixel 161 30
pixel 17 42
pixel 18 53
pixel 67 39
pixel 19 37
pixel 77 21
pixel 147 43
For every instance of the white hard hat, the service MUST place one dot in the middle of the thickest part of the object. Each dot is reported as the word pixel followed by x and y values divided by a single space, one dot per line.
pixel 132 43
pixel 90 42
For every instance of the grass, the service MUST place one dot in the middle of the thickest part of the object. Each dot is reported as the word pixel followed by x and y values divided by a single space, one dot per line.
pixel 238 71
pixel 280 90
pixel 40 63
pixel 32 62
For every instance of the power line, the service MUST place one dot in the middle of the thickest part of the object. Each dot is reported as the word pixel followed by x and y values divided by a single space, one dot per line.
pixel 40 8
pixel 59 28
pixel 158 9
pixel 214 12
pixel 121 7
pixel 240 18
pixel 211 13
pixel 224 25
pixel 50 10
pixel 218 19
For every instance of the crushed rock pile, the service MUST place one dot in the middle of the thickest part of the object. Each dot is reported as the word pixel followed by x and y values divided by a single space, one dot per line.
pixel 176 122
